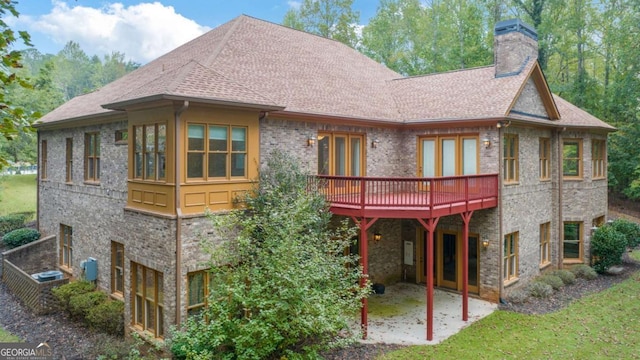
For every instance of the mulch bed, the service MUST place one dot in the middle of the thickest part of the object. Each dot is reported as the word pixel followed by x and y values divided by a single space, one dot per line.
pixel 568 293
pixel 69 339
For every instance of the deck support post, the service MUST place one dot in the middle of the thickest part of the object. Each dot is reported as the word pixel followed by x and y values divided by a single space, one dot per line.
pixel 466 218
pixel 430 226
pixel 364 225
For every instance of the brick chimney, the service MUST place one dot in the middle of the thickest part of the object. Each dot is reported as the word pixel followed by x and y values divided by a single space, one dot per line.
pixel 515 42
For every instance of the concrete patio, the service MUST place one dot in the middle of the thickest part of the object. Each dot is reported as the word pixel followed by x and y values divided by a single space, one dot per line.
pixel 398 316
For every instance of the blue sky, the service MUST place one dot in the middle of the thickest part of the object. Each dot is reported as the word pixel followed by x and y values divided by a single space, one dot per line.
pixel 142 30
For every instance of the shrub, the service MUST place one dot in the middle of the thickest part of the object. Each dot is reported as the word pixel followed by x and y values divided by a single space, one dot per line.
pixel 11 222
pixel 79 305
pixel 539 289
pixel 554 281
pixel 65 292
pixel 629 229
pixel 107 316
pixel 20 237
pixel 518 296
pixel 566 276
pixel 584 272
pixel 277 247
pixel 607 247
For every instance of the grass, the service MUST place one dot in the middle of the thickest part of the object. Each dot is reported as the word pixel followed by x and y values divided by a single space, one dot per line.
pixel 605 325
pixel 6 337
pixel 17 193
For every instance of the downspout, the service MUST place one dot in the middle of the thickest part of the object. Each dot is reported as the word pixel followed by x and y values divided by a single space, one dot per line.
pixel 559 157
pixel 178 155
pixel 38 183
pixel 500 205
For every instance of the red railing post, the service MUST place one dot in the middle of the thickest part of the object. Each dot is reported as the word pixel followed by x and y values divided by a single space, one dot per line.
pixel 362 193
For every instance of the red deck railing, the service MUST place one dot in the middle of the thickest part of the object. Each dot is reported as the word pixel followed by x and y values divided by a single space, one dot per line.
pixel 351 195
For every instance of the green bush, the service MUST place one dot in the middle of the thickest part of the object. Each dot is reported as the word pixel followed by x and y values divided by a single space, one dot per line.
pixel 11 222
pixel 518 296
pixel 554 281
pixel 567 276
pixel 584 272
pixel 107 316
pixel 607 247
pixel 539 289
pixel 284 291
pixel 629 229
pixel 79 305
pixel 20 237
pixel 65 292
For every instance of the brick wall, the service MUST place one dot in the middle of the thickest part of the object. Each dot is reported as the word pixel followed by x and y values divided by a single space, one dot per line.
pixel 97 214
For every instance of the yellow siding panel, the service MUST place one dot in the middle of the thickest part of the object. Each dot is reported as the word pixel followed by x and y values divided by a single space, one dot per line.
pixel 218 197
pixel 136 196
pixel 194 199
pixel 148 197
pixel 161 199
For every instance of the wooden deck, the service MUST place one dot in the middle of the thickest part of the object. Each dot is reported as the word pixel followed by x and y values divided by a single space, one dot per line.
pixel 374 197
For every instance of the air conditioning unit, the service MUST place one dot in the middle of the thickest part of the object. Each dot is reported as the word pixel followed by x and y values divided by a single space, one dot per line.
pixel 90 267
pixel 48 275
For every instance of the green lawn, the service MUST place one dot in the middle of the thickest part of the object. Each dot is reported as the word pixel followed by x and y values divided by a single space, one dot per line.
pixel 17 193
pixel 6 337
pixel 605 325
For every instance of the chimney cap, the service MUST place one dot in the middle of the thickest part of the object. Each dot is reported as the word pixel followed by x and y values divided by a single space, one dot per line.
pixel 511 25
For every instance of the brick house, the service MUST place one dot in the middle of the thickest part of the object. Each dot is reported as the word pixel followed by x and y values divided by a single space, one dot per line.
pixel 481 172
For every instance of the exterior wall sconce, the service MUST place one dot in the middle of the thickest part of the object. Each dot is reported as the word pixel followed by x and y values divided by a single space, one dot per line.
pixel 374 143
pixel 486 142
pixel 311 141
pixel 593 229
pixel 485 243
pixel 377 237
pixel 502 124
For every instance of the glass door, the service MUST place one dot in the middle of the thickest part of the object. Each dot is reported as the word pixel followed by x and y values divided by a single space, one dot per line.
pixel 448 260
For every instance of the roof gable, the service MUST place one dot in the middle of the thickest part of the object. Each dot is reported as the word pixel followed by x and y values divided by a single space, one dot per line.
pixel 534 98
pixel 463 94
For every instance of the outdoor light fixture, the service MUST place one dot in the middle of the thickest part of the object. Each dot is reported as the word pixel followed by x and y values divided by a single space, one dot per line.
pixel 485 243
pixel 377 237
pixel 374 143
pixel 487 142
pixel 593 229
pixel 311 141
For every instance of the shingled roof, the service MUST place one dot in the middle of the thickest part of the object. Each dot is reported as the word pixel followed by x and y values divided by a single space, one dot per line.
pixel 254 63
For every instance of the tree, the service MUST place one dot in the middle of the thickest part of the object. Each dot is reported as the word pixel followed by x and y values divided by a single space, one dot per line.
pixel 333 19
pixel 73 68
pixel 13 119
pixel 414 39
pixel 281 280
pixel 396 37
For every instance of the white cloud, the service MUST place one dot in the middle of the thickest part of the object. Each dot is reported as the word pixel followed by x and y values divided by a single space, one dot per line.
pixel 294 4
pixel 142 32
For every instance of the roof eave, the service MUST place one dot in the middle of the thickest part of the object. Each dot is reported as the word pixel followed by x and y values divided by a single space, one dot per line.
pixel 124 105
pixel 84 120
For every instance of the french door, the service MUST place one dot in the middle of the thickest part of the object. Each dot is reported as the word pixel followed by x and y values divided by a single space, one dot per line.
pixel 447 264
